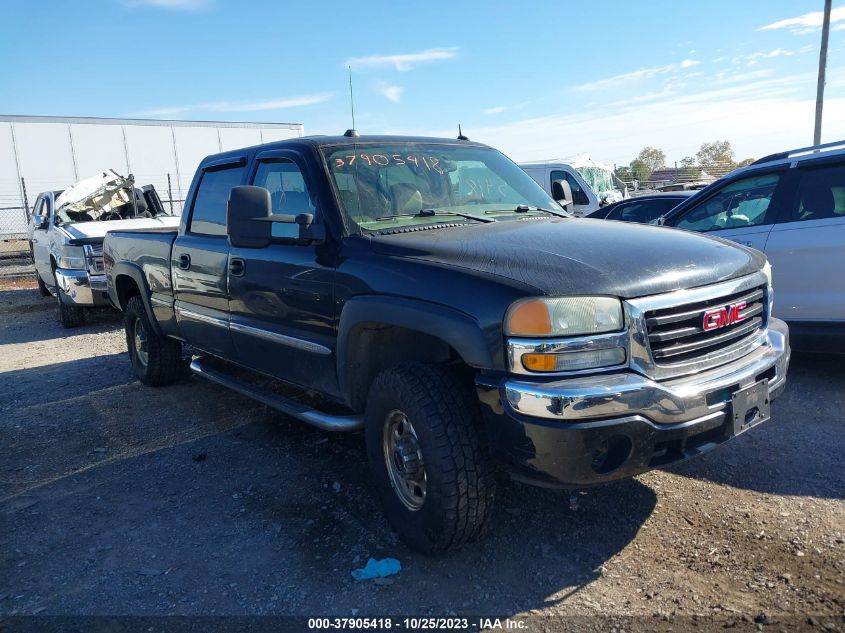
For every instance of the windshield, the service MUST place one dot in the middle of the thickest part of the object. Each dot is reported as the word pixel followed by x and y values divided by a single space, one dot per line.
pixel 600 180
pixel 110 203
pixel 404 184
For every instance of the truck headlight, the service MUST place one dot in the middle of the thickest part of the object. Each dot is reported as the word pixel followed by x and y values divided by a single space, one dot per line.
pixel 564 316
pixel 72 257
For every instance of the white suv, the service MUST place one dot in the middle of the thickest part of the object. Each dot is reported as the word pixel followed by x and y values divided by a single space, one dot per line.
pixel 791 206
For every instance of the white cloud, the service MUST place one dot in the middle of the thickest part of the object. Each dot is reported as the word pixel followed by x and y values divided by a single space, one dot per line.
pixel 235 106
pixel 806 23
pixel 753 58
pixel 504 108
pixel 839 27
pixel 390 92
pixel 403 62
pixel 181 5
pixel 758 116
pixel 634 75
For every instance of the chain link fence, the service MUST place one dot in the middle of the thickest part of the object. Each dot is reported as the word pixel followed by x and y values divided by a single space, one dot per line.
pixel 16 204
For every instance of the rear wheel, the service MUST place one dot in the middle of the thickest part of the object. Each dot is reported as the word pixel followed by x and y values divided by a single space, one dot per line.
pixel 156 359
pixel 428 457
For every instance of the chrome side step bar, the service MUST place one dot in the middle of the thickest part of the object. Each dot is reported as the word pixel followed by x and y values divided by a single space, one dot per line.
pixel 290 407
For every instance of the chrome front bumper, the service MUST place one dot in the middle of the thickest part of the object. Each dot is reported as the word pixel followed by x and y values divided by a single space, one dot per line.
pixel 81 288
pixel 690 398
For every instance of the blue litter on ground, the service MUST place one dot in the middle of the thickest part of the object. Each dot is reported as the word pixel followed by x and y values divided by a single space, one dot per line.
pixel 377 569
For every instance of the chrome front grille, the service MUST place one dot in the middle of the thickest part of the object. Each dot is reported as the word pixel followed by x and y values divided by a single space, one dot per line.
pixel 678 334
pixel 94 259
pixel 668 337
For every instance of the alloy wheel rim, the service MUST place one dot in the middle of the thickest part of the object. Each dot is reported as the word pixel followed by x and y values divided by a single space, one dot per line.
pixel 404 460
pixel 140 338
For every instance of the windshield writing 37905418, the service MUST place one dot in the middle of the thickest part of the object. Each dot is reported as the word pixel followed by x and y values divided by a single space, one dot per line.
pixel 432 163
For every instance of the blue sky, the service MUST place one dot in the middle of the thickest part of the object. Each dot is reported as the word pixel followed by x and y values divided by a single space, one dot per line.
pixel 536 79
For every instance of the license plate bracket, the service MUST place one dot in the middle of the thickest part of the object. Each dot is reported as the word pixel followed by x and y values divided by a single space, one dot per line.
pixel 749 407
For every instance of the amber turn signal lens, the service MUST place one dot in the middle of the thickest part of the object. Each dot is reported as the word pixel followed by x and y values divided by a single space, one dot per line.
pixel 539 362
pixel 529 318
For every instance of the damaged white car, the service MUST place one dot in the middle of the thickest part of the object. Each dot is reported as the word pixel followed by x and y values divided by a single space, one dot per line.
pixel 66 235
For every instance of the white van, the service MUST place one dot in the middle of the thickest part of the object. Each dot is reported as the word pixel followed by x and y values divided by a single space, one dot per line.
pixel 593 184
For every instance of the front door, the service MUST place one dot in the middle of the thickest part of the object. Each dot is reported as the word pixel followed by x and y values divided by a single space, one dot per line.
pixel 281 296
pixel 199 263
pixel 742 210
pixel 40 244
pixel 581 203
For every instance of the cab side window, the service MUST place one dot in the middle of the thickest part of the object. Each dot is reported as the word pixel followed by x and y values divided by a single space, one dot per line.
pixel 39 208
pixel 288 192
pixel 742 203
pixel 578 194
pixel 208 216
pixel 820 194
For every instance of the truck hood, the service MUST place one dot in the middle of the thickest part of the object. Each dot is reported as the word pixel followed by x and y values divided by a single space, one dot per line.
pixel 88 230
pixel 579 256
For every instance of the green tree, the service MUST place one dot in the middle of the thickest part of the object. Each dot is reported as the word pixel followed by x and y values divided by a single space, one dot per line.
pixel 715 155
pixel 689 169
pixel 640 170
pixel 624 173
pixel 652 158
pixel 745 162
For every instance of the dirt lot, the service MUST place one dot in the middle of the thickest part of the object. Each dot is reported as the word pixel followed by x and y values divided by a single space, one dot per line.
pixel 116 498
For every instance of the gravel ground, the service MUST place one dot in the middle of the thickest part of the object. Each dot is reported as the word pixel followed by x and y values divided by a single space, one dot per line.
pixel 116 498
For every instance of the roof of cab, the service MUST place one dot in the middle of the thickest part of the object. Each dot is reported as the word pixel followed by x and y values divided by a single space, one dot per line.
pixel 335 141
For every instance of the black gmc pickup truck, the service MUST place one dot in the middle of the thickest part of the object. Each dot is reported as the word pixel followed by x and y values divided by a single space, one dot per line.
pixel 428 292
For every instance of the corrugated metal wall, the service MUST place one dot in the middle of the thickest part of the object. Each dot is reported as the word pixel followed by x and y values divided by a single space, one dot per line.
pixel 53 153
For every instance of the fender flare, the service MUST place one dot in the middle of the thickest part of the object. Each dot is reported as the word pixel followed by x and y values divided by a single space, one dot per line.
pixel 457 329
pixel 134 272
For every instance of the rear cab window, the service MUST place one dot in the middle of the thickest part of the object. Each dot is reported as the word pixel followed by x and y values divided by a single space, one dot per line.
pixel 208 214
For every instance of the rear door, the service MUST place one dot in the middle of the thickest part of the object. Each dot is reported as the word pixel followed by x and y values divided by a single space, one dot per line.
pixel 199 261
pixel 281 296
pixel 741 210
pixel 807 246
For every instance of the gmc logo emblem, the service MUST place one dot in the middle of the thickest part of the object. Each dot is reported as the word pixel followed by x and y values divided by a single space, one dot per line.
pixel 723 317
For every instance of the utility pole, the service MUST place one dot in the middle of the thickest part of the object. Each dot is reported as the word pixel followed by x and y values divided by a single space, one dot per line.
pixel 817 133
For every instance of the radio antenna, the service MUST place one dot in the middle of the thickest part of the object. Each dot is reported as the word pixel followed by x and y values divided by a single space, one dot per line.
pixel 351 97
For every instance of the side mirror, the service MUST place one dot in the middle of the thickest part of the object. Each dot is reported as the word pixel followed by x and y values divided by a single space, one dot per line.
pixel 562 193
pixel 40 221
pixel 247 217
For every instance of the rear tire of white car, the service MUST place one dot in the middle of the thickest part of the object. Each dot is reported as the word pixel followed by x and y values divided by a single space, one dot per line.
pixel 157 360
pixel 71 316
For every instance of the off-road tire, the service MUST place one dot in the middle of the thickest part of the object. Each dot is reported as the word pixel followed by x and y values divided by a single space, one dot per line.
pixel 71 316
pixel 164 364
pixel 460 486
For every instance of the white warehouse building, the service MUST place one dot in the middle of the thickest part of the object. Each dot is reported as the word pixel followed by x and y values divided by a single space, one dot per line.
pixel 39 153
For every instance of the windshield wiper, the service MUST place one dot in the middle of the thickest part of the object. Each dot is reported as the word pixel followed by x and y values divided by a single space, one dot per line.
pixel 427 213
pixel 524 208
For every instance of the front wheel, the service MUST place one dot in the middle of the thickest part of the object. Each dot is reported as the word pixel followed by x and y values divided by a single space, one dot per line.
pixel 156 359
pixel 71 316
pixel 428 456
